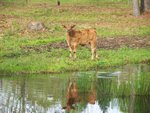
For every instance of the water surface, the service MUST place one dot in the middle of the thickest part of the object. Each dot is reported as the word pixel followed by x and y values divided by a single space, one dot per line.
pixel 117 90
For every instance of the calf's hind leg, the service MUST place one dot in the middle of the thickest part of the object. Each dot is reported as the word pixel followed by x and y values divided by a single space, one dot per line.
pixel 93 53
pixel 93 50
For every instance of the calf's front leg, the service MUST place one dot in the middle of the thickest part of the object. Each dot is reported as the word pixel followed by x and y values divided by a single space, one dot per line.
pixel 74 51
pixel 71 51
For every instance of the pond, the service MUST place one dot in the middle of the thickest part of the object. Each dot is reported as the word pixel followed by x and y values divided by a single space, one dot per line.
pixel 123 89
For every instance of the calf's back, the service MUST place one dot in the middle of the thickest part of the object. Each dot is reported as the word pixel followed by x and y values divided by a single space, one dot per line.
pixel 82 36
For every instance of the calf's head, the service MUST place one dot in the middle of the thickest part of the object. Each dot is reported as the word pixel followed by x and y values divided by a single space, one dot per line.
pixel 70 30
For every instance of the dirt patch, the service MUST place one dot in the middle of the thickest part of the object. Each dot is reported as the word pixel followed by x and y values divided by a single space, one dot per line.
pixel 102 43
pixel 132 42
pixel 47 47
pixel 146 15
pixel 5 22
pixel 3 16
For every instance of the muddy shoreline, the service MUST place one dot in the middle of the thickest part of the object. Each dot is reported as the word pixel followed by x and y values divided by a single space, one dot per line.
pixel 102 43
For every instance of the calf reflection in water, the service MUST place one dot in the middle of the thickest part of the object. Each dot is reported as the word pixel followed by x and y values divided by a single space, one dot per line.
pixel 92 106
pixel 72 96
pixel 92 97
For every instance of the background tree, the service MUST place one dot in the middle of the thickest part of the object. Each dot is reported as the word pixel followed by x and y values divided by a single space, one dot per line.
pixel 135 6
pixel 146 5
pixel 142 6
pixel 27 1
pixel 58 2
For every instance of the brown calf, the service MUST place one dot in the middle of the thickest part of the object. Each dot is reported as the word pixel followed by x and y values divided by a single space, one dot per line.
pixel 76 37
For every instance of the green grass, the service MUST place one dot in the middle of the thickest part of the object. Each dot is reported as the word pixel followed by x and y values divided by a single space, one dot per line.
pixel 108 21
pixel 58 61
pixel 111 19
pixel 128 31
pixel 66 1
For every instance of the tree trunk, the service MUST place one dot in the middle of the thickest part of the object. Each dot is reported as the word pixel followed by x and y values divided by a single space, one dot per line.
pixel 142 6
pixel 135 5
pixel 146 5
pixel 27 1
pixel 58 2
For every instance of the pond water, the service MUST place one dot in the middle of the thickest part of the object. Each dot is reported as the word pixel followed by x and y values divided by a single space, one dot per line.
pixel 117 90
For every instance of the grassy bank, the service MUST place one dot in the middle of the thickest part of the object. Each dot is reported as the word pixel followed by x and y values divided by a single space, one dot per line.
pixel 57 60
pixel 111 19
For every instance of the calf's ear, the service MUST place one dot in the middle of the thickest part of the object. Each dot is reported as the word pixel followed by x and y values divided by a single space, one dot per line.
pixel 64 26
pixel 73 26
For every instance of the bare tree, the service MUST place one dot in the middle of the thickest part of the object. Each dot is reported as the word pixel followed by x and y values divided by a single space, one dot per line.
pixel 135 5
pixel 58 2
pixel 146 5
pixel 27 1
pixel 142 6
